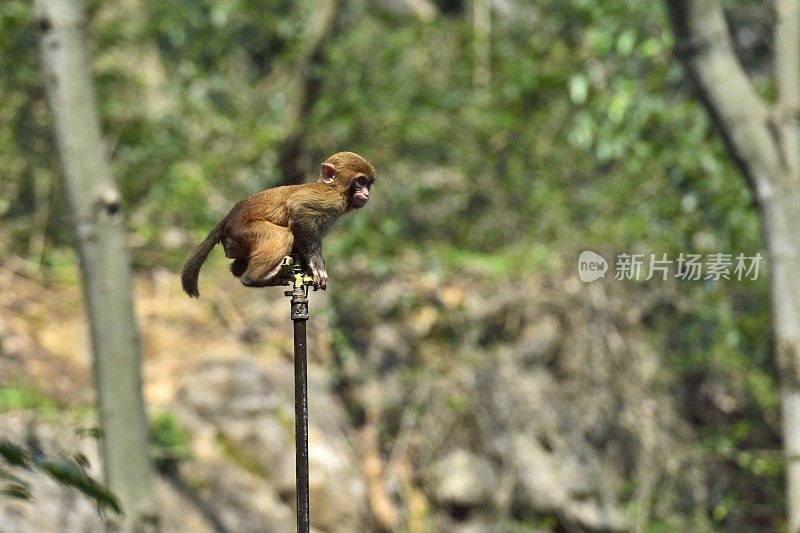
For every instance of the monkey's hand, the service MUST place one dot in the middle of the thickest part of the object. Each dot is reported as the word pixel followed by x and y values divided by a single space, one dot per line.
pixel 317 265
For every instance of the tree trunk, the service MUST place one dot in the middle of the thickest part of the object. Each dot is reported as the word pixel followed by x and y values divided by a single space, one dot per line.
pixel 784 243
pixel 105 269
pixel 764 142
pixel 784 249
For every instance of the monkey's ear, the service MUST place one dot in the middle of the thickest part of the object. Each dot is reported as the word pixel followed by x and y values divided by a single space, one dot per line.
pixel 328 171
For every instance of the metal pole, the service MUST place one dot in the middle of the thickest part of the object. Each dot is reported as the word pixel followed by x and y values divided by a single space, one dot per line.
pixel 299 313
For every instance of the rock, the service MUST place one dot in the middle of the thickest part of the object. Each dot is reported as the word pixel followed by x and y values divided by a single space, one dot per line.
pixel 539 341
pixel 238 499
pixel 337 491
pixel 249 470
pixel 241 473
pixel 57 508
pixel 464 479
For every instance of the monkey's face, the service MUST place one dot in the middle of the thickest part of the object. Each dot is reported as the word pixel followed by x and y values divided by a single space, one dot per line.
pixel 351 175
pixel 359 191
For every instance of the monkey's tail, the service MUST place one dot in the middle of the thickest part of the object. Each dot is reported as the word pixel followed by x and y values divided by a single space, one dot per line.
pixel 191 268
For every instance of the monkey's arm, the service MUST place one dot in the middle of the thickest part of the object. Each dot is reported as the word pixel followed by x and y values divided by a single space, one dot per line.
pixel 308 240
pixel 312 211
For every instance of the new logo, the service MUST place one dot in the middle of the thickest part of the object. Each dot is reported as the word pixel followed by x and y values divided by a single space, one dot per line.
pixel 591 266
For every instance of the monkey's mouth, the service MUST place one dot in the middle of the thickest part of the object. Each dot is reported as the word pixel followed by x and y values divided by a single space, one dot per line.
pixel 359 201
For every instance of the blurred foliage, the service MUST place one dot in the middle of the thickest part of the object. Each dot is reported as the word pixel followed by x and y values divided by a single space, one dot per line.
pixel 195 96
pixel 170 440
pixel 586 137
pixel 14 398
pixel 69 471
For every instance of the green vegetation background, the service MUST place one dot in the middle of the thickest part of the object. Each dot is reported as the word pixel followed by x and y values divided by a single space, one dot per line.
pixel 586 137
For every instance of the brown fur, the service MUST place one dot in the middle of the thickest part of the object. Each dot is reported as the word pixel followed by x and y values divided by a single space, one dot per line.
pixel 262 229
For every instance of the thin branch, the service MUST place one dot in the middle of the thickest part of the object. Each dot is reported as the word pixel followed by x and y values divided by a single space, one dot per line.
pixel 292 154
pixel 481 46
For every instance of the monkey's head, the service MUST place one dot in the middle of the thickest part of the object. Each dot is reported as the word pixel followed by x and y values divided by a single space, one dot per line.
pixel 351 175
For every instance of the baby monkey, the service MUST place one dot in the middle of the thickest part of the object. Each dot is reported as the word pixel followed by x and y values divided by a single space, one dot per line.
pixel 263 228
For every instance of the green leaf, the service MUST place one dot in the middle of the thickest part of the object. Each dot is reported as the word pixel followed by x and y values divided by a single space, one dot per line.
pixel 68 472
pixel 14 454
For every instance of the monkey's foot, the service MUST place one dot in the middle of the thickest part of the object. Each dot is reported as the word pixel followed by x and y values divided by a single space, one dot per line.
pixel 278 281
